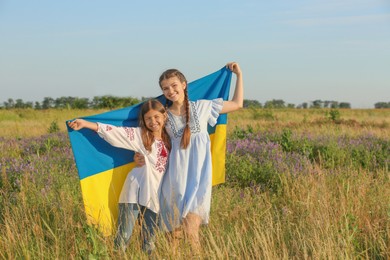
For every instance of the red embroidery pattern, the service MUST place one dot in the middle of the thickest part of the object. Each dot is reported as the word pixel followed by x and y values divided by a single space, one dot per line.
pixel 130 133
pixel 108 128
pixel 164 152
pixel 162 157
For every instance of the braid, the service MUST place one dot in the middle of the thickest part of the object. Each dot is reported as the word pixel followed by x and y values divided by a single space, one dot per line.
pixel 187 108
pixel 185 139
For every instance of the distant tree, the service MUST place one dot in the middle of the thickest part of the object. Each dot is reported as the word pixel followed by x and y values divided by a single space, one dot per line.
pixel 63 102
pixel 19 103
pixel 47 103
pixel 37 105
pixel 290 105
pixel 127 101
pixel 9 104
pixel 107 102
pixel 334 104
pixel 112 102
pixel 80 103
pixel 344 105
pixel 382 105
pixel 316 104
pixel 146 98
pixel 275 103
pixel 71 102
pixel 28 104
pixel 95 102
pixel 327 103
pixel 252 103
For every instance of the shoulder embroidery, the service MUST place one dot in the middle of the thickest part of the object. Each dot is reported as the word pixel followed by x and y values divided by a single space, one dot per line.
pixel 194 122
pixel 130 133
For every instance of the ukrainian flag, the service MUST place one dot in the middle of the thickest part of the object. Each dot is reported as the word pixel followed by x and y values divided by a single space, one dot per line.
pixel 103 168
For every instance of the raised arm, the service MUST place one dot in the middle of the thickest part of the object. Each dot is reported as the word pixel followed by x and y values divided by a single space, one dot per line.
pixel 123 137
pixel 237 101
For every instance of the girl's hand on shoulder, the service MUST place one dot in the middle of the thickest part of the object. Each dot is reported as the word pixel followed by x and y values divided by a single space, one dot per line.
pixel 139 160
pixel 234 67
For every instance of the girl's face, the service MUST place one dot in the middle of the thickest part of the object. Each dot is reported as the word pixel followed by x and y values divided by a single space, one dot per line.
pixel 154 121
pixel 173 89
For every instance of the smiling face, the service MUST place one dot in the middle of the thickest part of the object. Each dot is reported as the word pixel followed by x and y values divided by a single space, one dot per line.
pixel 154 121
pixel 173 89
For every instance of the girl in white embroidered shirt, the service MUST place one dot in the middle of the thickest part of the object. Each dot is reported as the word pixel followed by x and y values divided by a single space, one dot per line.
pixel 140 192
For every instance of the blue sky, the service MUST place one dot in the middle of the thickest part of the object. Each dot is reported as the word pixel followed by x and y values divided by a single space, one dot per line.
pixel 298 51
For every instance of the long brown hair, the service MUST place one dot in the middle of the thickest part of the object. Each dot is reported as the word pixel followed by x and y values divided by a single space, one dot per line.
pixel 147 136
pixel 185 139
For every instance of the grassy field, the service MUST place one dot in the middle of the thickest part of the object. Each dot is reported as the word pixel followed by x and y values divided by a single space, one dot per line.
pixel 301 184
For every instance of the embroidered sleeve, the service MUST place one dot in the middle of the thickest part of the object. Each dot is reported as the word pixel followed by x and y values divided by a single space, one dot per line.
pixel 122 137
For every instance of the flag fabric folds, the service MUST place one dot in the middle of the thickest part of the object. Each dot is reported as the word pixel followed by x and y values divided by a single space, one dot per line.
pixel 103 168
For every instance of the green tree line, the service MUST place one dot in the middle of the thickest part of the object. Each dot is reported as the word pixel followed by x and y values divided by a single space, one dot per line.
pixel 98 102
pixel 279 103
pixel 112 102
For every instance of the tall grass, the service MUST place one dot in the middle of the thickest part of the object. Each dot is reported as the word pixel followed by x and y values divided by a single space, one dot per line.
pixel 300 185
pixel 23 123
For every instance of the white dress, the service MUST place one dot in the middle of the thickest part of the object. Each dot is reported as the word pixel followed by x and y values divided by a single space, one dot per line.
pixel 186 186
pixel 142 184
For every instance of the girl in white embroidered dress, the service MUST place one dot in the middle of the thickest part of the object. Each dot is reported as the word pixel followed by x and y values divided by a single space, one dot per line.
pixel 186 188
pixel 140 191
